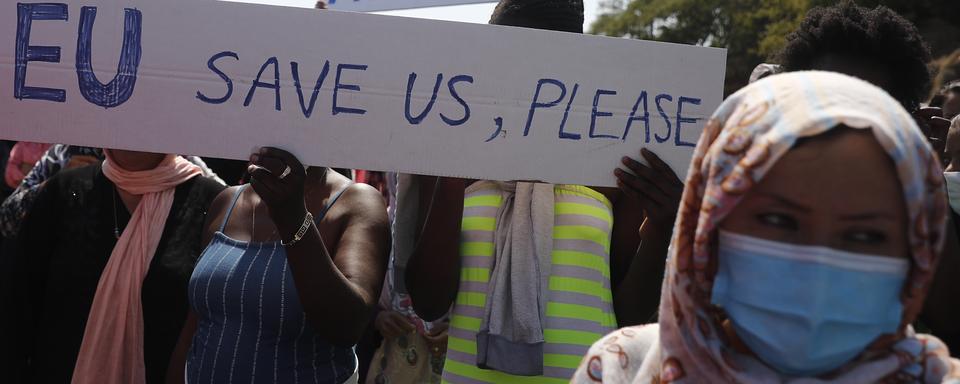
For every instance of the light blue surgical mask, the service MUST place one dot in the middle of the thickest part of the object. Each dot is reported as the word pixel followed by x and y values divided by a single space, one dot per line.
pixel 806 310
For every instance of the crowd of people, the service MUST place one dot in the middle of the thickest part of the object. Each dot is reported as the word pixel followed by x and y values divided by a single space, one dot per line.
pixel 813 240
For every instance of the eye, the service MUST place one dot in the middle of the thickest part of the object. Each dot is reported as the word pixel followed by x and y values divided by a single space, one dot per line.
pixel 865 236
pixel 779 220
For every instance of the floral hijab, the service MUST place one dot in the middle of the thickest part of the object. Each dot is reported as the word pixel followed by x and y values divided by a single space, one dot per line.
pixel 741 142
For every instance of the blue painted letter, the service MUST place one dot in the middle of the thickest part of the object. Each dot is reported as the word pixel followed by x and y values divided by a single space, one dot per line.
pixel 596 113
pixel 295 69
pixel 350 87
pixel 406 105
pixel 664 115
pixel 213 67
pixel 120 88
pixel 680 119
pixel 453 92
pixel 633 117
pixel 26 14
pixel 259 84
pixel 566 113
pixel 537 104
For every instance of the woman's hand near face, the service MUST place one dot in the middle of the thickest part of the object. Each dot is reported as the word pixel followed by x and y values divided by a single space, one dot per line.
pixel 281 190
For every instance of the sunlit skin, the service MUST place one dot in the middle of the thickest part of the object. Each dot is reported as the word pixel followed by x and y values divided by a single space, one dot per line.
pixel 951 103
pixel 838 190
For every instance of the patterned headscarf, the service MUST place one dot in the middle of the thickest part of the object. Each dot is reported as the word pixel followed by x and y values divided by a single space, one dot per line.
pixel 741 142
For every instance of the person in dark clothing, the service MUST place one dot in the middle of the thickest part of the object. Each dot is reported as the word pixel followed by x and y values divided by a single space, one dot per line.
pixel 231 171
pixel 5 147
pixel 68 246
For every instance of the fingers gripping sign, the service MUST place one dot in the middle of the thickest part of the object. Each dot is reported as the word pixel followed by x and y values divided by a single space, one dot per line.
pixel 656 188
pixel 934 127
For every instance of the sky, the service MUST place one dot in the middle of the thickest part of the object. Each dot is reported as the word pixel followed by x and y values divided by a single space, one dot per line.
pixel 471 13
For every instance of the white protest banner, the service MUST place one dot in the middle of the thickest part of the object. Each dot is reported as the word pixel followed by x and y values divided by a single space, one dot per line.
pixel 389 5
pixel 348 89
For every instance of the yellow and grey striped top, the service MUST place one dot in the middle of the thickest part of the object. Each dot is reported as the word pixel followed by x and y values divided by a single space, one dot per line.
pixel 579 301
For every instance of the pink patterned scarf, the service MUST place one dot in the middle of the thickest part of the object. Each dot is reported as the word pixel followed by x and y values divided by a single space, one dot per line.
pixel 741 142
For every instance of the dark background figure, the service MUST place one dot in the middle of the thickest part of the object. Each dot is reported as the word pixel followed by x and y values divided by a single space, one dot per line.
pixel 5 147
pixel 59 157
pixel 948 99
pixel 231 171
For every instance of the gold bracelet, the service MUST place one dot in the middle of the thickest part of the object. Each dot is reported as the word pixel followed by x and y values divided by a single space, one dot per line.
pixel 307 222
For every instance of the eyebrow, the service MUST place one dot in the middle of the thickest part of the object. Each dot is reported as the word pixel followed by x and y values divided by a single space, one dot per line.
pixel 785 201
pixel 869 216
pixel 864 216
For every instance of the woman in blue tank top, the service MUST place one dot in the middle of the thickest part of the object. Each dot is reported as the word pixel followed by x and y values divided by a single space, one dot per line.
pixel 288 280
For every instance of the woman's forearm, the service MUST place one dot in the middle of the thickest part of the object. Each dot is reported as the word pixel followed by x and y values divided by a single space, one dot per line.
pixel 627 217
pixel 637 298
pixel 433 271
pixel 323 288
pixel 178 361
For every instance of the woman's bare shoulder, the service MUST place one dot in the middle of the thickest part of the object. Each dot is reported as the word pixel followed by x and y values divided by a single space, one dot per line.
pixel 363 203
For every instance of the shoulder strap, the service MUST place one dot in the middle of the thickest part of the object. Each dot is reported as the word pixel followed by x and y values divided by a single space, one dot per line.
pixel 233 204
pixel 330 204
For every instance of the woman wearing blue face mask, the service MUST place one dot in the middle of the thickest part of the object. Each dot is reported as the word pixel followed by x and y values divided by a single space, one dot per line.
pixel 807 238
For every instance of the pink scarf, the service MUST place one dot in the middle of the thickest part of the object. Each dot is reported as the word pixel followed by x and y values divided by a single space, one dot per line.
pixel 112 348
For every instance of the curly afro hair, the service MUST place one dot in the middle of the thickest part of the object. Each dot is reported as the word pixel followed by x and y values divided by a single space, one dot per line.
pixel 554 15
pixel 878 35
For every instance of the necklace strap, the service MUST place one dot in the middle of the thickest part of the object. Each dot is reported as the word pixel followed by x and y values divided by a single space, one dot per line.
pixel 116 223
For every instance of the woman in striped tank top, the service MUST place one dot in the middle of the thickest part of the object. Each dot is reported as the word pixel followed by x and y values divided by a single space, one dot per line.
pixel 580 296
pixel 594 275
pixel 289 279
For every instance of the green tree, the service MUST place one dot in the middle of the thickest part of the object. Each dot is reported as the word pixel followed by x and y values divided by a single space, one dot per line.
pixel 753 31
